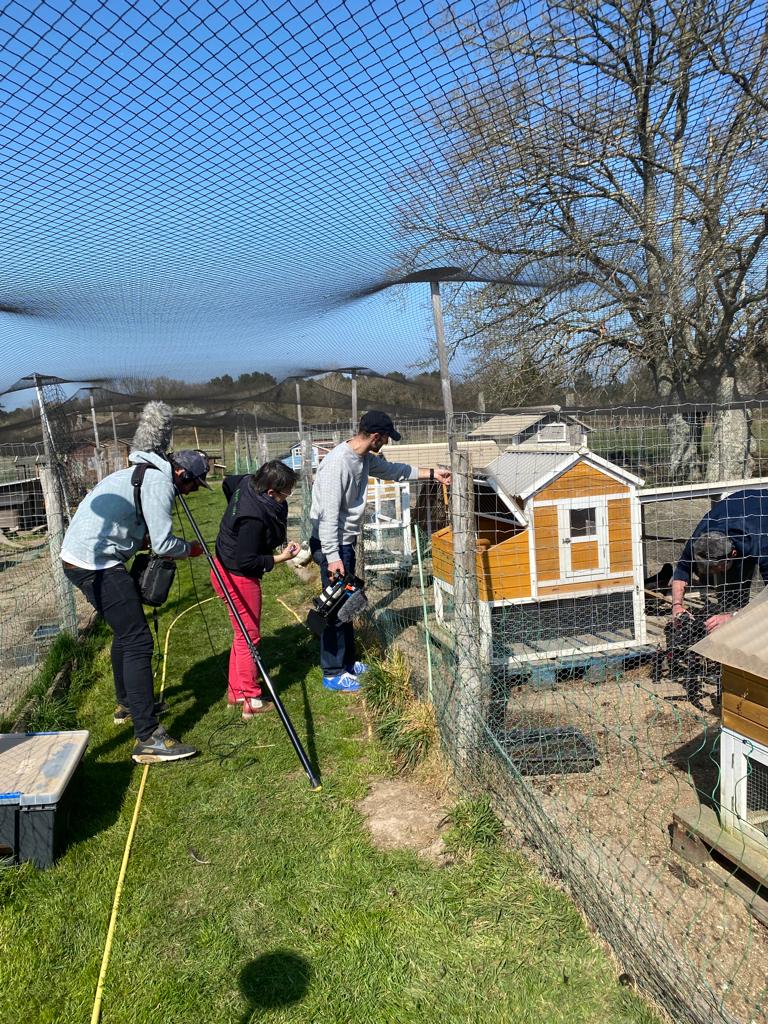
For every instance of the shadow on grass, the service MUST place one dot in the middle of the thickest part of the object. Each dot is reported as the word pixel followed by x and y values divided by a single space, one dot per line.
pixel 97 796
pixel 288 655
pixel 273 980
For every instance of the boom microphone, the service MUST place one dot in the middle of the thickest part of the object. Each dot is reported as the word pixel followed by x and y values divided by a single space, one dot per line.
pixel 153 434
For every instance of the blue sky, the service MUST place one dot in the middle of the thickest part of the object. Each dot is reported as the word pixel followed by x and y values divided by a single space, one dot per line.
pixel 191 189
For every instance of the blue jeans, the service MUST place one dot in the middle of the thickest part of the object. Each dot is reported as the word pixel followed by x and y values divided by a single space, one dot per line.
pixel 337 644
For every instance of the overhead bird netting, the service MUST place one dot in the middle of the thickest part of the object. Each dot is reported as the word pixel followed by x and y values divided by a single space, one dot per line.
pixel 254 213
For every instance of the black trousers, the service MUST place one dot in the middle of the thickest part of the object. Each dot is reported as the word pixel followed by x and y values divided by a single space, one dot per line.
pixel 337 643
pixel 115 597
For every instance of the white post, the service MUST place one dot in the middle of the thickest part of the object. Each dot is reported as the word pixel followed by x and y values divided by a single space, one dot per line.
pixel 114 434
pixel 298 410
pixel 442 355
pixel 355 419
pixel 99 471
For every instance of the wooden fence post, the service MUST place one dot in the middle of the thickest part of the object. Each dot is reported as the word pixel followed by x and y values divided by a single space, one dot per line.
pixel 469 709
pixel 306 485
pixel 65 597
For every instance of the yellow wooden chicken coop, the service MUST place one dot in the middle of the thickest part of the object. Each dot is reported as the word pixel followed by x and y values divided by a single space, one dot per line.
pixel 559 557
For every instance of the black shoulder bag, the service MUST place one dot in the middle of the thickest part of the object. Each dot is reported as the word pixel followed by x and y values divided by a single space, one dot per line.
pixel 152 574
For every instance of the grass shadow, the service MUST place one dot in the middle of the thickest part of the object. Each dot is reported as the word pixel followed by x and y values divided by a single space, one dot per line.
pixel 206 683
pixel 97 794
pixel 273 980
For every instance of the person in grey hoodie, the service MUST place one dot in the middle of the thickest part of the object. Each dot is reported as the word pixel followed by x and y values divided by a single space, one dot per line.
pixel 339 495
pixel 107 529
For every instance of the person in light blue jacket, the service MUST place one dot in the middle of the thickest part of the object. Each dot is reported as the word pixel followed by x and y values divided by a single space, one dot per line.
pixel 107 529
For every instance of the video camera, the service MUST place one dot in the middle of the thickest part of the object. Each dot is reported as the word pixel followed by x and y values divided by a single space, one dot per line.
pixel 341 600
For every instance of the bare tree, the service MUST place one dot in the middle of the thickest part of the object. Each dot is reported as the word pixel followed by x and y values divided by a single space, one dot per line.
pixel 610 151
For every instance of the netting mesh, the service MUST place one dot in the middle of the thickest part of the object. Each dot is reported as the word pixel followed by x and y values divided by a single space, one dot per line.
pixel 212 204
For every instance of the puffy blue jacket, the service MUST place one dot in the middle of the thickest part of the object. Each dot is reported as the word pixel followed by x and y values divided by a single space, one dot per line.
pixel 742 516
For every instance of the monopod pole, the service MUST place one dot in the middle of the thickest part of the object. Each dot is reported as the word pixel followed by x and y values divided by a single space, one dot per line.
pixel 287 723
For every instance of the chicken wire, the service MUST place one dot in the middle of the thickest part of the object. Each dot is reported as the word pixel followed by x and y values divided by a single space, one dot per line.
pixel 588 750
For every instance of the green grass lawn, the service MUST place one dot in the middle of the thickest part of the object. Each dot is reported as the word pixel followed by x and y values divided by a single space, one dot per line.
pixel 294 916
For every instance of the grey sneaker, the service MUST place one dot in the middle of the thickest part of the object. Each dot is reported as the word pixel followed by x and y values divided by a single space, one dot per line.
pixel 161 747
pixel 122 714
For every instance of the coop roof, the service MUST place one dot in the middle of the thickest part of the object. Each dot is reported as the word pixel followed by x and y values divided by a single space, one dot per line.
pixel 515 423
pixel 740 643
pixel 432 454
pixel 523 472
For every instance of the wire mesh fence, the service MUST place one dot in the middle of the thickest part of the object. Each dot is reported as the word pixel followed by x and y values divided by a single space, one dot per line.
pixel 534 600
pixel 561 687
pixel 34 606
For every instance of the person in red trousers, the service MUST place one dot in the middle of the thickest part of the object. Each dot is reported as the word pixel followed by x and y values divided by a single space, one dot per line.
pixel 252 527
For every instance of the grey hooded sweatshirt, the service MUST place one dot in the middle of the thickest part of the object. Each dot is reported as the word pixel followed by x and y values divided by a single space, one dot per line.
pixel 104 530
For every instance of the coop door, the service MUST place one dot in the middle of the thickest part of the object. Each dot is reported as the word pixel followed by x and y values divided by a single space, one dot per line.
pixel 583 538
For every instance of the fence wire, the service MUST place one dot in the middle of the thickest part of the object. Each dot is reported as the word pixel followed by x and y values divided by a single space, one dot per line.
pixel 532 600
pixel 558 692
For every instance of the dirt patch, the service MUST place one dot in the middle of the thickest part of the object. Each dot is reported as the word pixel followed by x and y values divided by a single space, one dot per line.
pixel 401 815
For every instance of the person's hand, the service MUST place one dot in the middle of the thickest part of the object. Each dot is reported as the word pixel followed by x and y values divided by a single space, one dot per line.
pixel 195 549
pixel 443 476
pixel 678 609
pixel 336 568
pixel 289 551
pixel 715 621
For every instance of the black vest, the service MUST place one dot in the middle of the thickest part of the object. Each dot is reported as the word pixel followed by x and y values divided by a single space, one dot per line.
pixel 245 503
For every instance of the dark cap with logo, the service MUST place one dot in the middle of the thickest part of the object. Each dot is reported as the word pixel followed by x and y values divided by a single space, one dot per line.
pixel 195 463
pixel 376 422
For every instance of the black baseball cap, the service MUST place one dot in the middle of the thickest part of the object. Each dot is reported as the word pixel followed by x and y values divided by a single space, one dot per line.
pixel 195 463
pixel 376 422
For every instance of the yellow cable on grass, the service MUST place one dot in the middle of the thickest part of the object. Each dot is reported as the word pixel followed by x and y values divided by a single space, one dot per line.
pixel 288 608
pixel 96 1014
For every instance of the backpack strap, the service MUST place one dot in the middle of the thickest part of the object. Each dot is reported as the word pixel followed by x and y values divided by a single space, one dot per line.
pixel 137 478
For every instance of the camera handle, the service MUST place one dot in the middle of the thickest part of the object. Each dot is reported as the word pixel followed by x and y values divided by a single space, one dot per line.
pixel 287 724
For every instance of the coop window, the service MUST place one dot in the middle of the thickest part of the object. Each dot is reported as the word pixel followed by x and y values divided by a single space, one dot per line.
pixel 584 522
pixel 553 432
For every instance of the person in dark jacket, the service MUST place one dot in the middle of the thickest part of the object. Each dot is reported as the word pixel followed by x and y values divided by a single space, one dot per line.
pixel 726 547
pixel 252 527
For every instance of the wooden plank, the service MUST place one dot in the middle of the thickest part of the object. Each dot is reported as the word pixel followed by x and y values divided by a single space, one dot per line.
pixel 581 481
pixel 736 704
pixel 585 555
pixel 745 727
pixel 696 833
pixel 744 684
pixel 743 852
pixel 547 543
pixel 562 589
pixel 620 536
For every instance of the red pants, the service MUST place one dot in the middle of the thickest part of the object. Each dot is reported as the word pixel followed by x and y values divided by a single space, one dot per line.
pixel 246 597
